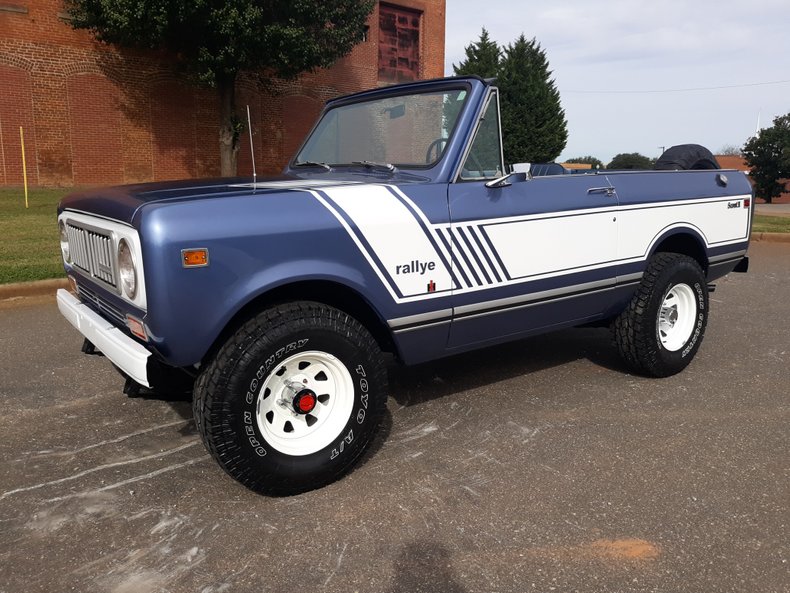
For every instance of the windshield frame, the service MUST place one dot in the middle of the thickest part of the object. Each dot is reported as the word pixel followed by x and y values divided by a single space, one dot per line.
pixel 425 87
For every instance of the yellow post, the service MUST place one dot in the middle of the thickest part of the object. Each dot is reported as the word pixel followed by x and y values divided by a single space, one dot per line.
pixel 24 165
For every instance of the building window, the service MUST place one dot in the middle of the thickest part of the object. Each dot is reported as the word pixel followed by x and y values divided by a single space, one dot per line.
pixel 399 43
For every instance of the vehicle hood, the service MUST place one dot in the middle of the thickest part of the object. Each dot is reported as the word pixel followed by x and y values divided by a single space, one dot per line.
pixel 123 203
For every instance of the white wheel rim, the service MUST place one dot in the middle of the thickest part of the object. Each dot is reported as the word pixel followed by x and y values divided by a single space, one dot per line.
pixel 677 316
pixel 294 433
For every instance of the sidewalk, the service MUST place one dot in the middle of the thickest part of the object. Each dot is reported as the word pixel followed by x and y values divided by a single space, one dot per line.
pixel 772 209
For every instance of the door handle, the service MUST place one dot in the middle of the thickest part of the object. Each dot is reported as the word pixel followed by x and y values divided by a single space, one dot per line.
pixel 609 191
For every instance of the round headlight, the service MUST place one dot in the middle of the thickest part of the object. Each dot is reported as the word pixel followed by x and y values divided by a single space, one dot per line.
pixel 126 269
pixel 64 243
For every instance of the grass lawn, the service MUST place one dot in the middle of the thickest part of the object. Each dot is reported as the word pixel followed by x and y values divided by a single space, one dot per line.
pixel 771 224
pixel 29 238
pixel 30 244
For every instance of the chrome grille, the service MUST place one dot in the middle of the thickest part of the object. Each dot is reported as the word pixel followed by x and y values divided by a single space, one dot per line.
pixel 92 252
pixel 101 306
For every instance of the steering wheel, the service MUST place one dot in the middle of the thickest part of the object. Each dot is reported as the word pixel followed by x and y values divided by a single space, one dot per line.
pixel 436 146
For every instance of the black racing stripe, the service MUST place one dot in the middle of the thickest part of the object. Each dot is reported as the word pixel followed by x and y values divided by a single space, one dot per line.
pixel 457 266
pixel 473 251
pixel 466 259
pixel 484 253
pixel 494 251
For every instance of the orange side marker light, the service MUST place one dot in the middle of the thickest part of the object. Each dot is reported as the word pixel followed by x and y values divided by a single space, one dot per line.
pixel 194 258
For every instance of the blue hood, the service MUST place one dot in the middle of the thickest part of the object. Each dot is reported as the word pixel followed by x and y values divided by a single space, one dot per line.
pixel 123 202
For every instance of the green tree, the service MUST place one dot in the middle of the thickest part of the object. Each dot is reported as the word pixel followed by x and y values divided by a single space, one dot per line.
pixel 214 40
pixel 482 58
pixel 533 121
pixel 768 154
pixel 587 160
pixel 729 150
pixel 630 160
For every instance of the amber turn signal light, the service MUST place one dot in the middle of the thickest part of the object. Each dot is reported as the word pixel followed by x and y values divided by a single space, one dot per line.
pixel 194 258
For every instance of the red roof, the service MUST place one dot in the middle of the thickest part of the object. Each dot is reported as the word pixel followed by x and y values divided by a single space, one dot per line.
pixel 727 161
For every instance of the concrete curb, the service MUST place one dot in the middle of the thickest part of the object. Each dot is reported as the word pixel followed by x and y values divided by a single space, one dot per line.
pixel 30 289
pixel 771 237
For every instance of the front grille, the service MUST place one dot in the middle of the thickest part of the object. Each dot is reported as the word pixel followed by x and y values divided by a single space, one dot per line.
pixel 101 306
pixel 92 252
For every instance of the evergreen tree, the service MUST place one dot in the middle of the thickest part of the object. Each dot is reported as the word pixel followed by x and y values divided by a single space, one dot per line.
pixel 534 128
pixel 482 58
pixel 216 39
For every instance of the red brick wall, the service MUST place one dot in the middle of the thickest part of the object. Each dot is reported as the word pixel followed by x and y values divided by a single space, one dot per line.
pixel 96 142
pixel 92 115
pixel 16 110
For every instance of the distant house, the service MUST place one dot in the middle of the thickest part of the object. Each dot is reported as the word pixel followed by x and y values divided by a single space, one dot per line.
pixel 92 115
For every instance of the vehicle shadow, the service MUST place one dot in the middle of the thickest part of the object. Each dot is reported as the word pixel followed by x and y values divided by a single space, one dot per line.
pixel 424 566
pixel 440 378
pixel 437 379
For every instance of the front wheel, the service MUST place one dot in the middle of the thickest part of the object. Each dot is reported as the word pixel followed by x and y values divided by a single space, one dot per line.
pixel 662 328
pixel 293 399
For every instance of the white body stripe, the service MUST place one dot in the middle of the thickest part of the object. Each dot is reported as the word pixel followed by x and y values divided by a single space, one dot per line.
pixel 398 240
pixel 533 247
pixel 394 236
pixel 717 223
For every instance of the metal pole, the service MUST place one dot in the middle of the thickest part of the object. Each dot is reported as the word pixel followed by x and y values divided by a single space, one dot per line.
pixel 24 164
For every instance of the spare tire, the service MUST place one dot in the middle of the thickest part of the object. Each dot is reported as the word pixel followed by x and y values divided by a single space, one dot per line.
pixel 686 156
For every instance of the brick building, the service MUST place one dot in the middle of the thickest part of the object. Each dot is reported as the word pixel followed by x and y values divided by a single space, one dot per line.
pixel 94 115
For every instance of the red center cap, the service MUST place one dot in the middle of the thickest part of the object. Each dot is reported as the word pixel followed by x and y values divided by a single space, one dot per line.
pixel 305 402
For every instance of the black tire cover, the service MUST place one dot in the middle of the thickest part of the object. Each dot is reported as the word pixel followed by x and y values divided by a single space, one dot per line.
pixel 686 156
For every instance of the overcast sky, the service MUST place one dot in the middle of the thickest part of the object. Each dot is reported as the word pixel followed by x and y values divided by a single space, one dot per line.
pixel 596 48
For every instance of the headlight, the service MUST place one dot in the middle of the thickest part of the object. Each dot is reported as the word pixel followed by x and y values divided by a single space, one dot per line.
pixel 126 269
pixel 64 243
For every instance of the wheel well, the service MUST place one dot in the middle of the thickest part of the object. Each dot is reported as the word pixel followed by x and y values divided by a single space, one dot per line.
pixel 685 244
pixel 329 293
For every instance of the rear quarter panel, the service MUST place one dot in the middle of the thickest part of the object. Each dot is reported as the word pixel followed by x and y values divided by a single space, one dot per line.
pixel 654 206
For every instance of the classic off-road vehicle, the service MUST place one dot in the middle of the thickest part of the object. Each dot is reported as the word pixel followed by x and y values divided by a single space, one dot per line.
pixel 396 227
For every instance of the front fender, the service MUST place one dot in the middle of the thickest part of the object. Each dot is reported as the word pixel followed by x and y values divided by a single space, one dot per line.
pixel 252 251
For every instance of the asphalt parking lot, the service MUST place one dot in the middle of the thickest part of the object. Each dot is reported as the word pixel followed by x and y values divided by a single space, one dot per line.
pixel 536 466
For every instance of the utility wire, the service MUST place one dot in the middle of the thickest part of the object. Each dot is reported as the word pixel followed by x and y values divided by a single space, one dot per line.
pixel 689 90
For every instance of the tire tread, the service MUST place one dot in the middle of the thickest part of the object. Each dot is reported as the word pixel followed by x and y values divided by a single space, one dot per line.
pixel 218 436
pixel 633 333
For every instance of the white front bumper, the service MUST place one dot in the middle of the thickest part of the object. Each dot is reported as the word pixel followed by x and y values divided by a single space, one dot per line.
pixel 130 356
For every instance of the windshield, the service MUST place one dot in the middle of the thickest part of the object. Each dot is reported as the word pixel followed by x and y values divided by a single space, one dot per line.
pixel 405 130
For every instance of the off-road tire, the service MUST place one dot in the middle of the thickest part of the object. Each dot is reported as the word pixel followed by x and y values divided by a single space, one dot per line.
pixel 230 395
pixel 637 329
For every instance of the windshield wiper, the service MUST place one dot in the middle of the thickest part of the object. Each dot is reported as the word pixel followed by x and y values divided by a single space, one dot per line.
pixel 373 165
pixel 312 164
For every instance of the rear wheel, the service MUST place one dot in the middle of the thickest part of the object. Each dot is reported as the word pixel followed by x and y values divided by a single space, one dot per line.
pixel 662 328
pixel 293 399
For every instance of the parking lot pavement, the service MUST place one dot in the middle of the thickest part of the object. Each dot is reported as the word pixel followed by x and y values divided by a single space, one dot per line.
pixel 536 466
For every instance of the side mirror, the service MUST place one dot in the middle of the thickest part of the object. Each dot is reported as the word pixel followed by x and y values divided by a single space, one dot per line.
pixel 508 179
pixel 396 111
pixel 521 167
